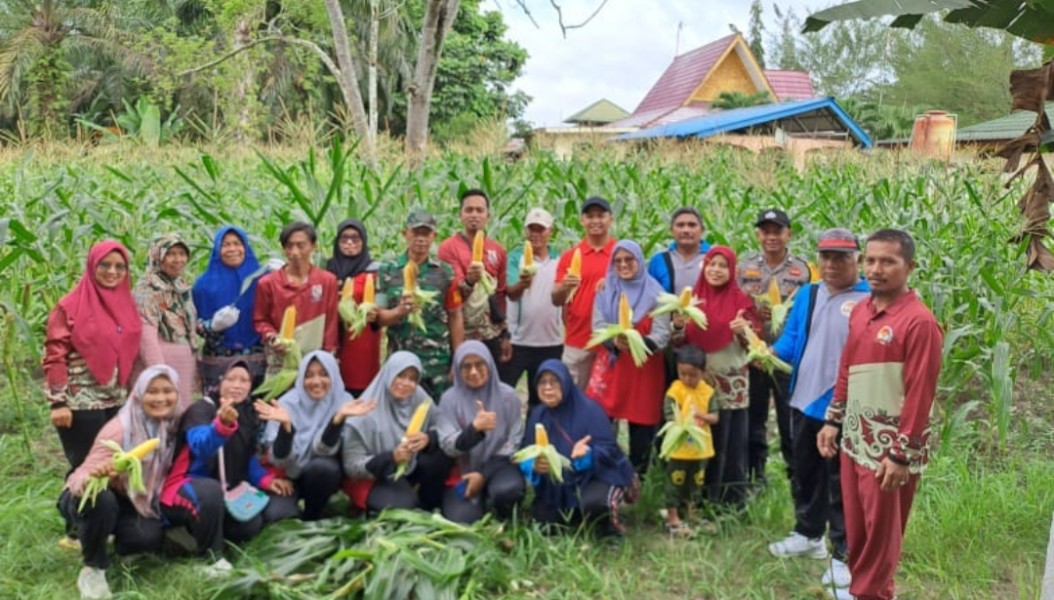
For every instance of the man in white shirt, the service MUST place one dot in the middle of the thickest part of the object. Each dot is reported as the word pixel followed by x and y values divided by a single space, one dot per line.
pixel 535 324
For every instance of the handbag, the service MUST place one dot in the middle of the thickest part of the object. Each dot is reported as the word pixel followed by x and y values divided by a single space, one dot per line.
pixel 244 501
pixel 600 375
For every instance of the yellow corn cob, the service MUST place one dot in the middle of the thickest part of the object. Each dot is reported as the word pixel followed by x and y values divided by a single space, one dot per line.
pixel 528 255
pixel 288 323
pixel 686 297
pixel 409 277
pixel 369 293
pixel 541 436
pixel 575 268
pixel 478 245
pixel 625 313
pixel 754 341
pixel 145 448
pixel 348 289
pixel 774 293
pixel 418 419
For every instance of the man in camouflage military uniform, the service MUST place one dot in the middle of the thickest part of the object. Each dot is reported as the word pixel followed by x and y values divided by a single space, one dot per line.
pixel 444 326
pixel 754 274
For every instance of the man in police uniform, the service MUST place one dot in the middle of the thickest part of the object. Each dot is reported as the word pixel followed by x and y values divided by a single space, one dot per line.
pixel 444 325
pixel 754 273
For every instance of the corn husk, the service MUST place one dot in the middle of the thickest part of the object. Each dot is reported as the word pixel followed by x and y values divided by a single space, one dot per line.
pixel 638 350
pixel 684 304
pixel 356 314
pixel 542 448
pixel 527 266
pixel 130 462
pixel 778 307
pixel 680 430
pixel 759 352
pixel 421 298
pixel 417 421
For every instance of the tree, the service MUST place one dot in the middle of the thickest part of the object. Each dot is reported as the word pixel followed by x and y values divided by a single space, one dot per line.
pixel 729 100
pixel 756 32
pixel 43 43
pixel 785 45
pixel 439 19
pixel 953 68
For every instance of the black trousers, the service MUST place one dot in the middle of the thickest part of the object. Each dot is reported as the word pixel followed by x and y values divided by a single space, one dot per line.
pixel 278 508
pixel 422 488
pixel 111 514
pixel 200 508
pixel 726 479
pixel 818 489
pixel 77 440
pixel 527 359
pixel 763 386
pixel 641 443
pixel 501 493
pixel 319 480
pixel 592 507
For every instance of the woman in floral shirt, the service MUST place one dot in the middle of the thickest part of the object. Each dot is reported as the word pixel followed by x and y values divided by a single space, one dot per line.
pixel 168 315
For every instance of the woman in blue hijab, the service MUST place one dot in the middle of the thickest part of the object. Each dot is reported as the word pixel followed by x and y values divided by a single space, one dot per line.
pixel 600 478
pixel 225 310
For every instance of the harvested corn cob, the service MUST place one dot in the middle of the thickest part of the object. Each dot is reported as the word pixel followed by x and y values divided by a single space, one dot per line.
pixel 637 348
pixel 130 462
pixel 417 422
pixel 542 448
pixel 684 304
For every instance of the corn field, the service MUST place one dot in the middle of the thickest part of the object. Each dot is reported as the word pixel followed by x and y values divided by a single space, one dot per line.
pixel 996 315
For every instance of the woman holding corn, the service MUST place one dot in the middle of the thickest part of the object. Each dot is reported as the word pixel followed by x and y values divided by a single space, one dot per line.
pixel 316 401
pixel 480 427
pixel 392 456
pixel 223 298
pixel 133 518
pixel 167 311
pixel 598 477
pixel 729 312
pixel 634 388
pixel 360 351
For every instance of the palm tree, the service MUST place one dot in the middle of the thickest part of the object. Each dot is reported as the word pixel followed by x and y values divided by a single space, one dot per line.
pixel 729 100
pixel 41 43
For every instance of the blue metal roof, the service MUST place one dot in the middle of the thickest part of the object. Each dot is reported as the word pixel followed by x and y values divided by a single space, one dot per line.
pixel 744 118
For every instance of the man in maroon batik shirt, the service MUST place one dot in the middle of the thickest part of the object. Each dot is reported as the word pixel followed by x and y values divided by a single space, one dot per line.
pixel 887 379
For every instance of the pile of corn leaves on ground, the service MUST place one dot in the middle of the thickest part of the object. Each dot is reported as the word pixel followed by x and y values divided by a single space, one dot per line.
pixel 399 555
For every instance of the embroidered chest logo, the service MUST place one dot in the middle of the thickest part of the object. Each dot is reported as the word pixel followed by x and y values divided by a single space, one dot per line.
pixel 316 292
pixel 847 307
pixel 794 272
pixel 492 257
pixel 885 335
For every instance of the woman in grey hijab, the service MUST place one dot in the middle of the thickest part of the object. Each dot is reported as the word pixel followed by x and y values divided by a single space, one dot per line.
pixel 376 444
pixel 480 426
pixel 316 401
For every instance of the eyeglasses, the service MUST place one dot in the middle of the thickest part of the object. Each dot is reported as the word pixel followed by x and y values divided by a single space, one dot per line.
pixel 625 260
pixel 110 266
pixel 468 367
pixel 548 382
pixel 350 239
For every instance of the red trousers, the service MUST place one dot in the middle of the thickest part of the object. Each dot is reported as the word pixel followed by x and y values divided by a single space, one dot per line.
pixel 874 525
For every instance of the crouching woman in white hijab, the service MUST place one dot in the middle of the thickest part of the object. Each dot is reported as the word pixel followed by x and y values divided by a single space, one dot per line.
pixel 388 468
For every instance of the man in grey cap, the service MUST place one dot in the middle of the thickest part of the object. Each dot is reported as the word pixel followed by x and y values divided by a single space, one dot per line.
pixel 812 342
pixel 444 327
pixel 536 325
pixel 754 274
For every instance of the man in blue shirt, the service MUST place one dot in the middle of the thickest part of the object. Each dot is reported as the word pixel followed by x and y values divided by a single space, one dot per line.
pixel 812 341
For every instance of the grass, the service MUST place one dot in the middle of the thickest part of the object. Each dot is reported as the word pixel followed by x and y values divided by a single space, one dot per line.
pixel 978 531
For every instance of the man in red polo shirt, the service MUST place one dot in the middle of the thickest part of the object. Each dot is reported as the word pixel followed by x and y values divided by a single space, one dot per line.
pixel 576 294
pixel 887 379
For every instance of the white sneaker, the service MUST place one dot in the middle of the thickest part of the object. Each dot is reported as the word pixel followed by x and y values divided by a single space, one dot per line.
pixel 840 594
pixel 837 573
pixel 218 569
pixel 797 544
pixel 92 584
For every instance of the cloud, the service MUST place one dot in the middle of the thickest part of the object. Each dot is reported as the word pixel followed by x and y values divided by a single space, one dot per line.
pixel 621 52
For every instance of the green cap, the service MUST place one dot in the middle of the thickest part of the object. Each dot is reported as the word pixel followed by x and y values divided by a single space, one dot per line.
pixel 420 217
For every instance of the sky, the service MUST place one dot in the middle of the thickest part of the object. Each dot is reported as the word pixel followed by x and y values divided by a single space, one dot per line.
pixel 621 52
